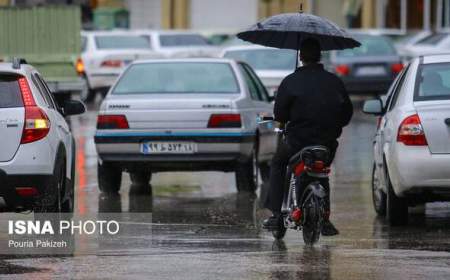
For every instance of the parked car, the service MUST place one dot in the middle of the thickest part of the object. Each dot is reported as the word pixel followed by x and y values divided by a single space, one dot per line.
pixel 412 143
pixel 370 68
pixel 37 158
pixel 410 40
pixel 185 114
pixel 106 53
pixel 436 43
pixel 270 64
pixel 179 44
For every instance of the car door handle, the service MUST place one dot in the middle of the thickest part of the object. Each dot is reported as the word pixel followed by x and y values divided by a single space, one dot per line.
pixel 447 121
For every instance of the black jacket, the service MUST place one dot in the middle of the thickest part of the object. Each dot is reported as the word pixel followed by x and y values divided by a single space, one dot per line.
pixel 315 105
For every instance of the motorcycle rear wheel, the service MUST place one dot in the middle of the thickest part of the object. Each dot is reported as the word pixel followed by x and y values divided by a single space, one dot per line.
pixel 313 219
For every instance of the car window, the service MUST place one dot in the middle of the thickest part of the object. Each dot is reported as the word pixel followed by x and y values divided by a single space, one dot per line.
pixel 177 40
pixel 121 42
pixel 45 92
pixel 265 59
pixel 432 39
pixel 260 87
pixel 398 88
pixel 370 46
pixel 252 88
pixel 178 77
pixel 10 95
pixel 433 82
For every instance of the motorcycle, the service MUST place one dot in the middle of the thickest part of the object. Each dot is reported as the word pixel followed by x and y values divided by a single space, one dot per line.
pixel 303 207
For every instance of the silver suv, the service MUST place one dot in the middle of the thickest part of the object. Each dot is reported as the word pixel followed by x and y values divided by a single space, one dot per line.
pixel 37 148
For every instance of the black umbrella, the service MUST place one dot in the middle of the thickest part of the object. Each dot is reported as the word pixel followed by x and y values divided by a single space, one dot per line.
pixel 287 31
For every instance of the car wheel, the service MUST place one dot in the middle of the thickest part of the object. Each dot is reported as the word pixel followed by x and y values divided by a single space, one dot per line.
pixel 140 177
pixel 397 207
pixel 69 203
pixel 109 177
pixel 247 174
pixel 378 195
pixel 60 180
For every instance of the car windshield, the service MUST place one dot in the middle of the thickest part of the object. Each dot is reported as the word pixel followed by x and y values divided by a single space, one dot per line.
pixel 432 39
pixel 178 77
pixel 434 82
pixel 180 40
pixel 265 59
pixel 121 42
pixel 370 46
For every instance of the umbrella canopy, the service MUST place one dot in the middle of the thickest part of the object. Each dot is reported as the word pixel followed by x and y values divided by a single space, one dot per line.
pixel 287 31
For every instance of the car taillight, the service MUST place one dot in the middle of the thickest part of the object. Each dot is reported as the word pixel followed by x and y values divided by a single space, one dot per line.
pixel 342 69
pixel 112 122
pixel 79 66
pixel 411 132
pixel 37 123
pixel 225 121
pixel 112 63
pixel 396 68
pixel 317 166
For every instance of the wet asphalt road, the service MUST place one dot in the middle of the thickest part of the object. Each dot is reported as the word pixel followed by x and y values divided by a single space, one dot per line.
pixel 201 229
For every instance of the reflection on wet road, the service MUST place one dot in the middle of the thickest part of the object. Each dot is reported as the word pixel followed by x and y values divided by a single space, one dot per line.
pixel 201 229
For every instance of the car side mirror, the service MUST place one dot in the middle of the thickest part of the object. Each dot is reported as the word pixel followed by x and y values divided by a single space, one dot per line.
pixel 373 107
pixel 73 107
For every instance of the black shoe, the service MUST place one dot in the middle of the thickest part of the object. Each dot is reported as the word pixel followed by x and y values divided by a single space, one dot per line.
pixel 273 222
pixel 328 229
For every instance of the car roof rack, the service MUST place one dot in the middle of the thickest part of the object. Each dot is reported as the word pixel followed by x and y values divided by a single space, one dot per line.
pixel 17 61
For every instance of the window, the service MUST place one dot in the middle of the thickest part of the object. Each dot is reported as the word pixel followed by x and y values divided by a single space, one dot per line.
pixel 264 96
pixel 10 95
pixel 83 44
pixel 265 59
pixel 45 92
pixel 121 42
pixel 398 88
pixel 178 77
pixel 433 82
pixel 176 40
pixel 252 88
pixel 370 46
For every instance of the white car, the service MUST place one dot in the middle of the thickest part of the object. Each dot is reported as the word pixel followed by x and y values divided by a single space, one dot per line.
pixel 270 64
pixel 412 143
pixel 179 44
pixel 185 115
pixel 410 40
pixel 37 158
pixel 437 43
pixel 106 53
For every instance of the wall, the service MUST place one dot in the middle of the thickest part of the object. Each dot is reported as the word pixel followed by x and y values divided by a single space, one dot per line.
pixel 144 13
pixel 220 14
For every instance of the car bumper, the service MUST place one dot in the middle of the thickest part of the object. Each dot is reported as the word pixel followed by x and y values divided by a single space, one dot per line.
pixel 414 170
pixel 102 80
pixel 8 184
pixel 214 152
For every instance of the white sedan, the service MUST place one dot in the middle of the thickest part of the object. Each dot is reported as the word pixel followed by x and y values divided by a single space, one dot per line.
pixel 185 115
pixel 412 143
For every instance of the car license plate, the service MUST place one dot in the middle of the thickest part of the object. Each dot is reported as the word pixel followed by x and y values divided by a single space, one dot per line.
pixel 168 148
pixel 371 71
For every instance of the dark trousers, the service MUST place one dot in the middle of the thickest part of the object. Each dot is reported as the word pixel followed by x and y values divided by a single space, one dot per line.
pixel 278 169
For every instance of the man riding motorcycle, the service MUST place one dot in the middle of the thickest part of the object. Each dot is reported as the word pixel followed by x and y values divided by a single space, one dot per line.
pixel 314 105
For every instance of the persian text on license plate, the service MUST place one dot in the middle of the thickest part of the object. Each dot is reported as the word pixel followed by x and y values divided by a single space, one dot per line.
pixel 168 148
